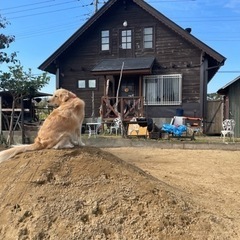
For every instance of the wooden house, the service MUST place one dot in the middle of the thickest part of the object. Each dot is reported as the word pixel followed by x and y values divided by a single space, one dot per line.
pixel 130 59
pixel 231 100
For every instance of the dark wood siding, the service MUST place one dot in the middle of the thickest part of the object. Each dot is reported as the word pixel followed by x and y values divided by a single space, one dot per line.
pixel 234 110
pixel 173 55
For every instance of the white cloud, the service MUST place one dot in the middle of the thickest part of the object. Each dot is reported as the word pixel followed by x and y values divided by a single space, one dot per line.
pixel 233 4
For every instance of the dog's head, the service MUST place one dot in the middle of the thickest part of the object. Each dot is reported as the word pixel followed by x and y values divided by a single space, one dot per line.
pixel 60 96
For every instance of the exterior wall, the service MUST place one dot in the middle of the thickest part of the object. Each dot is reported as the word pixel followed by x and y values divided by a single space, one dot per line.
pixel 234 110
pixel 173 55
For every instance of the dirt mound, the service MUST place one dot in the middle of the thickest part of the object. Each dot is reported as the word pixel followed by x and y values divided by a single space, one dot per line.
pixel 87 193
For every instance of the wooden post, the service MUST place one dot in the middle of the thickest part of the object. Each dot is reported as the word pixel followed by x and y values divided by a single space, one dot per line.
pixel 22 121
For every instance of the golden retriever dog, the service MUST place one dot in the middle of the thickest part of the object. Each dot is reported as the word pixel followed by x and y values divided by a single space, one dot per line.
pixel 61 129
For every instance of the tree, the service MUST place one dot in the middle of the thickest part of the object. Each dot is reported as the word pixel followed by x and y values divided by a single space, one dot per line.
pixel 20 84
pixel 213 96
pixel 5 41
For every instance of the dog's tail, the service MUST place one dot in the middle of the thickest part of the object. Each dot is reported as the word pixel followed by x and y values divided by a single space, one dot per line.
pixel 9 153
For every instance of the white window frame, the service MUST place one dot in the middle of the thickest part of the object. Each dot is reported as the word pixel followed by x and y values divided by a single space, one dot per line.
pixel 105 40
pixel 148 37
pixel 126 39
pixel 87 83
pixel 92 83
pixel 162 89
pixel 81 84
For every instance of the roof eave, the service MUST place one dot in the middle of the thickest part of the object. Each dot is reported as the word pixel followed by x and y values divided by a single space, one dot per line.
pixel 179 30
pixel 50 60
pixel 224 89
pixel 218 57
pixel 137 71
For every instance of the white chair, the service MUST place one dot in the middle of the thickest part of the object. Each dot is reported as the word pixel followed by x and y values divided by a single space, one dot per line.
pixel 117 124
pixel 228 129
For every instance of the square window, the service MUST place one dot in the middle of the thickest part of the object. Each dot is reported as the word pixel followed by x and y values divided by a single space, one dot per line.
pixel 81 83
pixel 87 84
pixel 148 30
pixel 148 45
pixel 92 83
pixel 124 45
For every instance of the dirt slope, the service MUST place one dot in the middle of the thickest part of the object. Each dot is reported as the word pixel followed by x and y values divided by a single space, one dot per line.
pixel 87 193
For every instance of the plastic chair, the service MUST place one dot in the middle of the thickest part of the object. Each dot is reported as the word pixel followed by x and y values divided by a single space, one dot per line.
pixel 117 124
pixel 228 126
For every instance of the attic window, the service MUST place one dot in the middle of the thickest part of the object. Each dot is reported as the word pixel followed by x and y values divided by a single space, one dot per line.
pixel 148 37
pixel 105 40
pixel 126 39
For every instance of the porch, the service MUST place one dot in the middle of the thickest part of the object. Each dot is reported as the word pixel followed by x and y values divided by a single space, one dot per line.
pixel 124 107
pixel 129 110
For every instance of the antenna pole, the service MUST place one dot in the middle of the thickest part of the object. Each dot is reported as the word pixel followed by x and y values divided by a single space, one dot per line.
pixel 96 5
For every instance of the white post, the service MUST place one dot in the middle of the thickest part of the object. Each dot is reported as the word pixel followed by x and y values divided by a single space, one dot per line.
pixel 107 87
pixel 119 84
pixel 93 113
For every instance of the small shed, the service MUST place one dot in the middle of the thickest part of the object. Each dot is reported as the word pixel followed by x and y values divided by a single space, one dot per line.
pixel 23 113
pixel 231 100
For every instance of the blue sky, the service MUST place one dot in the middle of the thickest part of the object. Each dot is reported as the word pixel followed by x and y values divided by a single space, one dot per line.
pixel 42 26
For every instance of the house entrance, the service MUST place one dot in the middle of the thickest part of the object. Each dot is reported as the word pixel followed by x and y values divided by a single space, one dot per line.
pixel 129 86
pixel 128 100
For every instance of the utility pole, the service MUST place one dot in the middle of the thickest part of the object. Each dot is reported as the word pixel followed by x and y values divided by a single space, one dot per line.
pixel 96 5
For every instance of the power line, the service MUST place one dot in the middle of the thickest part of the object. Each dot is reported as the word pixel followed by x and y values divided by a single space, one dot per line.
pixel 41 13
pixel 12 17
pixel 46 29
pixel 37 8
pixel 63 26
pixel 96 2
pixel 26 5
pixel 50 30
pixel 157 1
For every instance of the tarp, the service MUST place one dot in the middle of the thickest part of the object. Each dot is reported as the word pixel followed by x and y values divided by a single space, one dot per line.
pixel 175 130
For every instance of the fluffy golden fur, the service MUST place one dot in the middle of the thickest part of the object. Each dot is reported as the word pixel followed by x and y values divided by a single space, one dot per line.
pixel 61 129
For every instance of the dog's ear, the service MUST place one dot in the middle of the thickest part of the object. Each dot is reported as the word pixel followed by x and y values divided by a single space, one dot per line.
pixel 71 95
pixel 67 95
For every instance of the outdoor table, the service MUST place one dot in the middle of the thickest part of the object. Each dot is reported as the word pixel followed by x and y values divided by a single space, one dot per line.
pixel 93 128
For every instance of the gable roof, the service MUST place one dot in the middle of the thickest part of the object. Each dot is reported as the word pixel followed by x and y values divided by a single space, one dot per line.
pixel 46 65
pixel 224 89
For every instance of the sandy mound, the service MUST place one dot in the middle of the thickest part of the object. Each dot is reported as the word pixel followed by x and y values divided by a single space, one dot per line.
pixel 87 193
